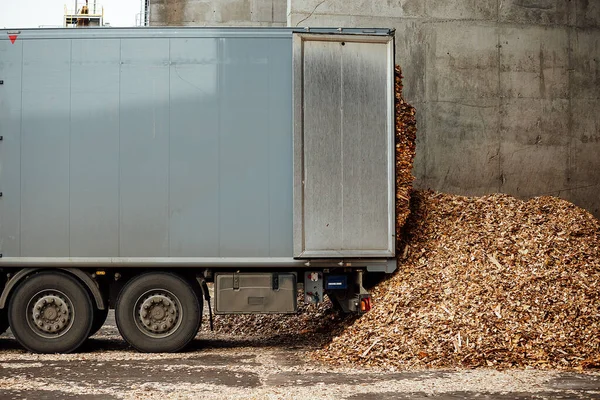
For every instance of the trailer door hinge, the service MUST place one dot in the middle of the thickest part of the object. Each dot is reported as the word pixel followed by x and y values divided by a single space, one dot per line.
pixel 1 82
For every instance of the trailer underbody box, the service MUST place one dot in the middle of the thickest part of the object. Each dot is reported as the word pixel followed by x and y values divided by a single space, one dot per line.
pixel 252 293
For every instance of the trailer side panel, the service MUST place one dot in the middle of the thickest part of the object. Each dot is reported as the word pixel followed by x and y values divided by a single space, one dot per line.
pixel 146 146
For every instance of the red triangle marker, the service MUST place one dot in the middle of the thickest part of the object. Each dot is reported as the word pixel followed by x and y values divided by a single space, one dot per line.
pixel 12 38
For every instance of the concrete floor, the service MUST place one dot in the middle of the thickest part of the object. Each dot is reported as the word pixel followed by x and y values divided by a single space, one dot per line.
pixel 224 367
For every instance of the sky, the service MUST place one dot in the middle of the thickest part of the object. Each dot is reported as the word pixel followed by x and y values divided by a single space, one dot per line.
pixel 36 13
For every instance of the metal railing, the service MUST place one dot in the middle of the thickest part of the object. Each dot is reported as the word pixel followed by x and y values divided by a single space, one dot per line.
pixel 143 17
pixel 84 13
pixel 80 7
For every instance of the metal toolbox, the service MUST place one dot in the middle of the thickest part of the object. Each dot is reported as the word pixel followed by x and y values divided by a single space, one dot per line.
pixel 244 293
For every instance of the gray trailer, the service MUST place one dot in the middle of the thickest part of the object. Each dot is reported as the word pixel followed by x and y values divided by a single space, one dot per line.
pixel 136 165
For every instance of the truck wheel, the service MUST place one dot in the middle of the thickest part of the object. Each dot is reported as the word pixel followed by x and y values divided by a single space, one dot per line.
pixel 158 312
pixel 50 312
pixel 3 321
pixel 99 320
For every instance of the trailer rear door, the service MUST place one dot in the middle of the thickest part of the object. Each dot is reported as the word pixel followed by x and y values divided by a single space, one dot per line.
pixel 343 146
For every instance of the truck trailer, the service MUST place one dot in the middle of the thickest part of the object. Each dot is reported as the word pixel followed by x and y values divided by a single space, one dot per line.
pixel 138 165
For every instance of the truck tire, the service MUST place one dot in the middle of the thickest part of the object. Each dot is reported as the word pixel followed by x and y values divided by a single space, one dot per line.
pixel 3 321
pixel 50 312
pixel 158 312
pixel 99 320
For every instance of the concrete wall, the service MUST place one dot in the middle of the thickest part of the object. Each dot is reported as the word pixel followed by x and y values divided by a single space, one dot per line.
pixel 218 12
pixel 507 91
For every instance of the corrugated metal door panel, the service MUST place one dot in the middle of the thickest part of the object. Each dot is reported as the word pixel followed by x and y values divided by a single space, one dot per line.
pixel 194 148
pixel 323 207
pixel 244 148
pixel 94 164
pixel 144 147
pixel 344 146
pixel 11 56
pixel 45 148
pixel 364 146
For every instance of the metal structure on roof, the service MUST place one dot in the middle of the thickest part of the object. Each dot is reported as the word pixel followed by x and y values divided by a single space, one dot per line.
pixel 84 15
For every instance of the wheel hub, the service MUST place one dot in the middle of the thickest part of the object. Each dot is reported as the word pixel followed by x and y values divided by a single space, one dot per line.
pixel 51 313
pixel 158 313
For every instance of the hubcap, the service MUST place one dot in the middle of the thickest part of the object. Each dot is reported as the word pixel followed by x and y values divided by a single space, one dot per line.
pixel 50 314
pixel 158 313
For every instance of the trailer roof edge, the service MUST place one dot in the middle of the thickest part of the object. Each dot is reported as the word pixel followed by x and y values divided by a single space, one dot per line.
pixel 181 32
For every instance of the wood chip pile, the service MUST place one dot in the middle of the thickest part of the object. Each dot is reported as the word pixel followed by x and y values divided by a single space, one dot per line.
pixel 406 131
pixel 490 281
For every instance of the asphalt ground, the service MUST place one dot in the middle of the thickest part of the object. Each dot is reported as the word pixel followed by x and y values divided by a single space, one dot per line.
pixel 222 367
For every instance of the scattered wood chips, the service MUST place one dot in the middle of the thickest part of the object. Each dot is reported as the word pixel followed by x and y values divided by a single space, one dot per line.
pixel 314 323
pixel 491 281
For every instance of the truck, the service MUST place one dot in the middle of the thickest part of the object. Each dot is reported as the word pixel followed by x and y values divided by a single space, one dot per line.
pixel 140 165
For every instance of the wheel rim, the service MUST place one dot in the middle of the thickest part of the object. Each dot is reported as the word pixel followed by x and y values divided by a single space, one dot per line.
pixel 50 314
pixel 157 313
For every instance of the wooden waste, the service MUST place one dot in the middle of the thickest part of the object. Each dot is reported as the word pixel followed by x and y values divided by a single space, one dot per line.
pixel 484 282
pixel 406 132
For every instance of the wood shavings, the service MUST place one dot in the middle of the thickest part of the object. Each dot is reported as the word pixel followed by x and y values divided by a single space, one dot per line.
pixel 488 281
pixel 406 131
